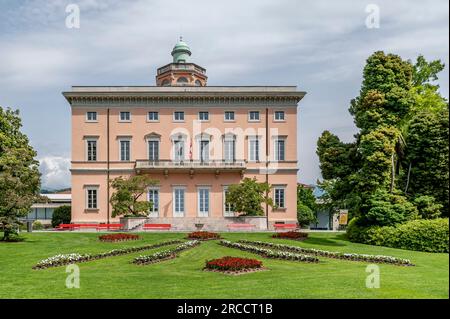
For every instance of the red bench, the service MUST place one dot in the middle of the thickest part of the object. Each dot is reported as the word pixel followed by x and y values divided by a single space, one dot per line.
pixel 285 226
pixel 157 226
pixel 64 227
pixel 109 226
pixel 75 226
pixel 240 226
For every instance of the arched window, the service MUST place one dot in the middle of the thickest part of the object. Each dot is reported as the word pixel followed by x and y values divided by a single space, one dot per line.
pixel 198 83
pixel 165 83
pixel 182 80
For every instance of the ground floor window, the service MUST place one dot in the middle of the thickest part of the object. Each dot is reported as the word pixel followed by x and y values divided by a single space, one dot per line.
pixel 153 196
pixel 203 202
pixel 227 208
pixel 178 201
pixel 91 197
pixel 279 197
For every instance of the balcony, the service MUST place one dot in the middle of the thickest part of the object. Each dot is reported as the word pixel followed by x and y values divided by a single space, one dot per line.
pixel 190 166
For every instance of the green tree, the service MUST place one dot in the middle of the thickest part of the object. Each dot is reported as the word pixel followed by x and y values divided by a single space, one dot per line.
pixel 248 196
pixel 306 206
pixel 61 215
pixel 19 175
pixel 427 207
pixel 126 199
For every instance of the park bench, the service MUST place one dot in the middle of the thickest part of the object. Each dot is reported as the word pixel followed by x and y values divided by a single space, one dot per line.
pixel 157 226
pixel 109 226
pixel 64 227
pixel 240 226
pixel 285 226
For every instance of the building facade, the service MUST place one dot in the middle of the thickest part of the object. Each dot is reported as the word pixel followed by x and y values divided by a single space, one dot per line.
pixel 194 139
pixel 43 212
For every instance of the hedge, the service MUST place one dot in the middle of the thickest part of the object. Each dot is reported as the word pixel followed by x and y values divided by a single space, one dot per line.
pixel 429 235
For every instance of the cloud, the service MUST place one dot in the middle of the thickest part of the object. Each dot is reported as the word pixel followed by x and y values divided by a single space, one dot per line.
pixel 55 172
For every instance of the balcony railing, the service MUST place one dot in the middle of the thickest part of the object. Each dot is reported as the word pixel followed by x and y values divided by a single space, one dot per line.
pixel 190 164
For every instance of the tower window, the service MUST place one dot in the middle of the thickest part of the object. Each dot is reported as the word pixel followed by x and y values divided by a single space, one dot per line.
pixel 165 83
pixel 198 83
pixel 182 80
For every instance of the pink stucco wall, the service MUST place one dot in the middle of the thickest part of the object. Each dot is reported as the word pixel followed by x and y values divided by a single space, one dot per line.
pixel 94 173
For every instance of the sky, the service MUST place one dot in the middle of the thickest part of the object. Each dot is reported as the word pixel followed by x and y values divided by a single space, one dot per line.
pixel 319 46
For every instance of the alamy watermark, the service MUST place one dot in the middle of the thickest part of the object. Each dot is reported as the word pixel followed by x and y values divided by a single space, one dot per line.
pixel 373 17
pixel 373 279
pixel 73 279
pixel 73 17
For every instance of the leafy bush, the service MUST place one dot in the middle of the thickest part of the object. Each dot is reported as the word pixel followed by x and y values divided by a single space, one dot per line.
pixel 430 235
pixel 61 215
pixel 388 209
pixel 427 206
pixel 37 225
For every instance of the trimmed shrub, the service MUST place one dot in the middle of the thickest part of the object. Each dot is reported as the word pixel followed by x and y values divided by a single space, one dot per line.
pixel 61 215
pixel 430 235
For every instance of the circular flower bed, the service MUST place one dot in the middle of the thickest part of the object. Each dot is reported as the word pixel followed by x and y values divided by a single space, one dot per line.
pixel 233 265
pixel 291 235
pixel 118 237
pixel 203 235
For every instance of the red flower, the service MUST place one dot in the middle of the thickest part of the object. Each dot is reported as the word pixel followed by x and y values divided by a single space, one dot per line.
pixel 118 237
pixel 233 263
pixel 203 235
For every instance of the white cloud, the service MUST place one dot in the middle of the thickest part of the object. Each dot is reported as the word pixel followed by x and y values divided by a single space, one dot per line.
pixel 55 172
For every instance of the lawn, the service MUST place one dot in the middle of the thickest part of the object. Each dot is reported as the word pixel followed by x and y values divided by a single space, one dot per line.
pixel 116 277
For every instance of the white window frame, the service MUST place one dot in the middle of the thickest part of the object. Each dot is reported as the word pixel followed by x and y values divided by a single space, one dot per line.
pixel 150 120
pixel 203 112
pixel 153 212
pixel 87 140
pixel 275 149
pixel 229 139
pixel 275 117
pixel 225 116
pixel 124 121
pixel 174 212
pixel 174 148
pixel 254 120
pixel 87 117
pixel 200 153
pixel 124 139
pixel 87 189
pixel 147 142
pixel 199 190
pixel 258 155
pixel 275 188
pixel 226 213
pixel 179 121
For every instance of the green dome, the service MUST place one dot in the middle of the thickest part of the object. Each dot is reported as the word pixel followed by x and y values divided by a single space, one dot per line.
pixel 181 52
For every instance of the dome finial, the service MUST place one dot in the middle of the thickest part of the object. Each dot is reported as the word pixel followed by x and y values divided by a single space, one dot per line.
pixel 181 38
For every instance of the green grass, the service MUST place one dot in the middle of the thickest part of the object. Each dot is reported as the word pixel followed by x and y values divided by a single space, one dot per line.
pixel 116 277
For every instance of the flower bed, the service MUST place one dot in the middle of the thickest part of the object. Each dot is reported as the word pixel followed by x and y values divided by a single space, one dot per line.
pixel 268 253
pixel 333 254
pixel 291 235
pixel 118 237
pixel 233 265
pixel 165 254
pixel 61 260
pixel 203 235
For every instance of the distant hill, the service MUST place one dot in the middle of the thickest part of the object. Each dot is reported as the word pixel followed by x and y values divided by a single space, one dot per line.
pixel 56 191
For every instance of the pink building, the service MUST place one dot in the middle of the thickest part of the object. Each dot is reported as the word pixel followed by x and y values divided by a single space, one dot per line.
pixel 193 138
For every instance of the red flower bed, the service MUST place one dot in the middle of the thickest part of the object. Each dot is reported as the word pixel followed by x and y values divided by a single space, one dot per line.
pixel 118 237
pixel 291 235
pixel 203 235
pixel 233 264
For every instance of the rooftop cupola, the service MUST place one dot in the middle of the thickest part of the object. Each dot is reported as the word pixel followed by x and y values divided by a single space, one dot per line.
pixel 181 52
pixel 181 72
